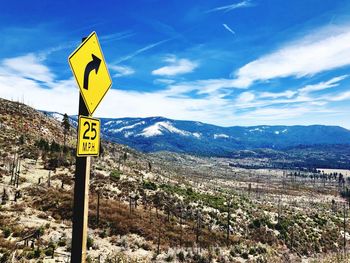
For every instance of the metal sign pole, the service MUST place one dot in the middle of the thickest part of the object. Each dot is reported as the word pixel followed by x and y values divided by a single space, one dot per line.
pixel 87 59
pixel 81 201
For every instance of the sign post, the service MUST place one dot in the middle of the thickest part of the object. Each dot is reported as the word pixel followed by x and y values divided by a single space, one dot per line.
pixel 86 60
pixel 81 202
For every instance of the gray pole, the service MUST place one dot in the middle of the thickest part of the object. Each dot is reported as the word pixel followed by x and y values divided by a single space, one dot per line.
pixel 81 200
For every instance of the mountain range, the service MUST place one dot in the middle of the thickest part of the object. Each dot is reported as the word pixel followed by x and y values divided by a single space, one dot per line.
pixel 154 134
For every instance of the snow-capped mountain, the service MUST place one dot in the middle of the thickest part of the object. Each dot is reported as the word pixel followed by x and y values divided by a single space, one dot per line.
pixel 158 134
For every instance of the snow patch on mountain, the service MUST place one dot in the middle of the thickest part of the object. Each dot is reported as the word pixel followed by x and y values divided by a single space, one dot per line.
pixel 57 116
pixel 108 123
pixel 279 132
pixel 197 135
pixel 158 128
pixel 128 134
pixel 256 130
pixel 127 127
pixel 221 135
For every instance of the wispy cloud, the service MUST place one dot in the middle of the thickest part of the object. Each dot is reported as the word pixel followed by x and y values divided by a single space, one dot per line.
pixel 116 36
pixel 141 50
pixel 229 29
pixel 176 67
pixel 340 96
pixel 231 7
pixel 250 107
pixel 121 71
pixel 62 95
pixel 210 87
pixel 164 81
pixel 28 66
pixel 275 95
pixel 322 85
pixel 28 78
pixel 254 99
pixel 323 50
pixel 246 97
pixel 283 113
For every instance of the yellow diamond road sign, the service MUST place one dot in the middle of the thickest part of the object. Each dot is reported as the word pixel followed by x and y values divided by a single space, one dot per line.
pixel 90 71
pixel 88 136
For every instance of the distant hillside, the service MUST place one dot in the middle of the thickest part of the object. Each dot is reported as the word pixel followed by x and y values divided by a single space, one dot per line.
pixel 161 134
pixel 19 120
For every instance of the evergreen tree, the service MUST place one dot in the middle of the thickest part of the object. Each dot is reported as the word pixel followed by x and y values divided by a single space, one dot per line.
pixel 66 127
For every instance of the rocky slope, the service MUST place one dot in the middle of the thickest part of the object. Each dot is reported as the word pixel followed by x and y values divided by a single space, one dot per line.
pixel 163 207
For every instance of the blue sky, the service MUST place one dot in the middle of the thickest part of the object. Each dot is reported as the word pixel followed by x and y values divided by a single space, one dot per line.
pixel 244 62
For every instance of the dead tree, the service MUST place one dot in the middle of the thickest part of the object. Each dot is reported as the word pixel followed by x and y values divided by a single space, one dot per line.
pixel 157 200
pixel 168 211
pixel 4 197
pixel 98 208
pixel 130 204
pixel 18 173
pixel 279 211
pixel 344 226
pixel 333 205
pixel 125 157
pixel 198 227
pixel 181 218
pixel 229 205
pixel 292 238
pixel 257 187
pixel 158 241
pixel 149 166
pixel 179 213
pixel 13 168
pixel 17 195
pixel 49 180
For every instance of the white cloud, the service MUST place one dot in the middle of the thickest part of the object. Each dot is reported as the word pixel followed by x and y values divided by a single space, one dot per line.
pixel 283 113
pixel 245 97
pixel 145 104
pixel 231 7
pixel 121 70
pixel 275 95
pixel 326 49
pixel 28 66
pixel 164 81
pixel 62 98
pixel 302 95
pixel 27 78
pixel 249 108
pixel 341 96
pixel 141 50
pixel 116 36
pixel 212 87
pixel 323 85
pixel 176 67
pixel 229 29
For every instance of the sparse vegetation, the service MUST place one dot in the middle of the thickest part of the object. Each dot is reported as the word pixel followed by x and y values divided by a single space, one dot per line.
pixel 115 175
pixel 165 201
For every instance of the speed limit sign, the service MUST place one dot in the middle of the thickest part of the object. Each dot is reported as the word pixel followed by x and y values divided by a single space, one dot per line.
pixel 88 136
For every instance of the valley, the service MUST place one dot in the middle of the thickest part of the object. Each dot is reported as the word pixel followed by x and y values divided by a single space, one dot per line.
pixel 258 205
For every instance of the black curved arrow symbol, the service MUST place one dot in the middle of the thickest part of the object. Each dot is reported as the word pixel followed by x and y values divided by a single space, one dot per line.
pixel 94 64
